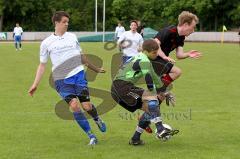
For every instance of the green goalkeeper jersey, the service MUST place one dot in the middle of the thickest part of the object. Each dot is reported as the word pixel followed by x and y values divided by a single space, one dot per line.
pixel 140 66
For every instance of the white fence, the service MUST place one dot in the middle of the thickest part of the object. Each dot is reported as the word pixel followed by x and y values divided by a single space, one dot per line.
pixel 214 36
pixel 197 36
pixel 38 36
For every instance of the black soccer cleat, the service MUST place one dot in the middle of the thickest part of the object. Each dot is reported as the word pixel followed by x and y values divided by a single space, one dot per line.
pixel 173 132
pixel 166 134
pixel 136 142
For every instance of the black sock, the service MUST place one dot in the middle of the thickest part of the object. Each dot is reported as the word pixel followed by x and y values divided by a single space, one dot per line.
pixel 137 134
pixel 143 123
pixel 159 126
pixel 93 113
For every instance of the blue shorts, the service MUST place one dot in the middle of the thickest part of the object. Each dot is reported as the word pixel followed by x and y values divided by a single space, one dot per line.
pixel 17 38
pixel 73 87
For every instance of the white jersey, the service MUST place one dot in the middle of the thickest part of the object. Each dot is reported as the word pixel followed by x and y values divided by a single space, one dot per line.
pixel 133 41
pixel 119 31
pixel 18 31
pixel 65 55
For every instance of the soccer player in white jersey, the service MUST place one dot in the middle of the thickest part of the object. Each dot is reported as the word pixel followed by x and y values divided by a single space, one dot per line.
pixel 119 30
pixel 17 35
pixel 68 73
pixel 130 42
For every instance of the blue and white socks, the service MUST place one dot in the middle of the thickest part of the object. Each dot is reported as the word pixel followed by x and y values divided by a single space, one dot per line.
pixel 83 123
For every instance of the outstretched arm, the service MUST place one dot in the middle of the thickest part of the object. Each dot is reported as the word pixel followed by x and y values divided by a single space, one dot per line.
pixel 87 63
pixel 38 77
pixel 180 54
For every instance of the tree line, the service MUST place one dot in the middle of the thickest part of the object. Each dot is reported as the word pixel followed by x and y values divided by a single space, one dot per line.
pixel 35 15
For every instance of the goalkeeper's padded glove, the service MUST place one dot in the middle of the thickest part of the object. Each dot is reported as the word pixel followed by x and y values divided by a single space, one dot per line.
pixel 170 99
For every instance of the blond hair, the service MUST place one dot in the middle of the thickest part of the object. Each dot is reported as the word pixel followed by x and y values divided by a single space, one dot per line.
pixel 187 17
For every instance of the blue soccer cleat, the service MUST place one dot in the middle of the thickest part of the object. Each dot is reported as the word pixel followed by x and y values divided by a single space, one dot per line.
pixel 101 125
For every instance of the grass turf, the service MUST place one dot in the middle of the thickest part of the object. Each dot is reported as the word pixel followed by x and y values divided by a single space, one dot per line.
pixel 207 110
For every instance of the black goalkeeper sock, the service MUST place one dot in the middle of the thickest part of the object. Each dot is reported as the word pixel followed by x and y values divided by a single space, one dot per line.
pixel 159 126
pixel 93 113
pixel 137 134
pixel 143 123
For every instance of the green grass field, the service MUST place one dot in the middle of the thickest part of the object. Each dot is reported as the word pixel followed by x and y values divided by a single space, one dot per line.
pixel 207 111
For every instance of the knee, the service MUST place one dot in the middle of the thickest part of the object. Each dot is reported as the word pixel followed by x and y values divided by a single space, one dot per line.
pixel 153 104
pixel 177 72
pixel 87 106
pixel 74 105
pixel 153 108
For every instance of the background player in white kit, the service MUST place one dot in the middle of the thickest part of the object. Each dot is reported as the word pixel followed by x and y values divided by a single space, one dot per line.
pixel 17 35
pixel 130 42
pixel 119 30
pixel 68 73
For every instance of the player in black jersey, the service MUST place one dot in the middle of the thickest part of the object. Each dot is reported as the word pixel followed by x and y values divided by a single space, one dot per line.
pixel 172 38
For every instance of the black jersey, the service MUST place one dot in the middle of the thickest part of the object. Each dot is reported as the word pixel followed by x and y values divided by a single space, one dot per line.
pixel 169 39
pixel 139 30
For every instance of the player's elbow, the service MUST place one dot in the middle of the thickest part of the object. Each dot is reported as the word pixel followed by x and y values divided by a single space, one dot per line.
pixel 179 56
pixel 84 59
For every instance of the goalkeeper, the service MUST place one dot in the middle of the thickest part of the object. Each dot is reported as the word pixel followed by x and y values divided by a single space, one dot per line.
pixel 125 92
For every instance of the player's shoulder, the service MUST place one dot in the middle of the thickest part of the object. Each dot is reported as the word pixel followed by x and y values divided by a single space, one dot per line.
pixel 144 61
pixel 69 35
pixel 142 57
pixel 139 35
pixel 171 29
pixel 168 28
pixel 166 31
pixel 48 40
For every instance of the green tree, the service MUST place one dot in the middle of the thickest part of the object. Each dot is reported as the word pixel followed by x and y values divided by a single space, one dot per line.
pixel 36 15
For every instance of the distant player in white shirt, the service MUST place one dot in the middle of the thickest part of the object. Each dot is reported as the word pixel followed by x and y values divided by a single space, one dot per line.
pixel 119 30
pixel 68 73
pixel 130 42
pixel 17 35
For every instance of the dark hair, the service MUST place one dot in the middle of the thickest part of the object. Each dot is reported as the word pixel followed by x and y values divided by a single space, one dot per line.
pixel 134 21
pixel 57 16
pixel 150 45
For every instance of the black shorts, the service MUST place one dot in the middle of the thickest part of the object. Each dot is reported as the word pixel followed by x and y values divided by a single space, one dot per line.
pixel 127 95
pixel 161 66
